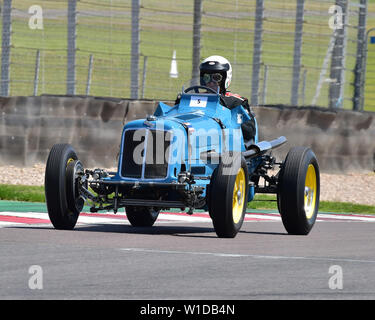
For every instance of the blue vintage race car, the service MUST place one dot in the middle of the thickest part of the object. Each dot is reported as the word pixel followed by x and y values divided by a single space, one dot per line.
pixel 189 156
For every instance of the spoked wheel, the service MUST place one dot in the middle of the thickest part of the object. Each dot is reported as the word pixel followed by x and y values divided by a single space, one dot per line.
pixel 228 195
pixel 299 191
pixel 62 177
pixel 141 216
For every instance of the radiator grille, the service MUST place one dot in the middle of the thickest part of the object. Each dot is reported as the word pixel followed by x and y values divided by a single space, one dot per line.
pixel 131 166
pixel 151 144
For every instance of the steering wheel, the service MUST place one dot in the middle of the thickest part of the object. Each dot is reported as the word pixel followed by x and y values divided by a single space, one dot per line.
pixel 208 89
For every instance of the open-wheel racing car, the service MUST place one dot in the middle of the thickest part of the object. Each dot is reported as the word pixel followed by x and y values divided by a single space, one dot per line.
pixel 189 156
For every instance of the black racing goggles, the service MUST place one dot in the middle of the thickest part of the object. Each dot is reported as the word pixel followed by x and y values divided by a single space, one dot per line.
pixel 212 77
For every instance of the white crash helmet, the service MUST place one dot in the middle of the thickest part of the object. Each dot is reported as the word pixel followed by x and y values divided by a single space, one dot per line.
pixel 217 64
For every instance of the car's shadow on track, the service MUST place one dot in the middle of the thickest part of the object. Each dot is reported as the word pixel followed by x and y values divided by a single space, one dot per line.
pixel 155 230
pixel 127 229
pixel 178 231
pixel 241 232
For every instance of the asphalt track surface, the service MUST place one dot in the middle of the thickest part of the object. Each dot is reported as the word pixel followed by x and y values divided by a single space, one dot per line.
pixel 180 257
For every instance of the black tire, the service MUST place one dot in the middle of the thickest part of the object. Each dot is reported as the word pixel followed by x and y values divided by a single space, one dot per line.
pixel 226 209
pixel 299 191
pixel 62 201
pixel 141 216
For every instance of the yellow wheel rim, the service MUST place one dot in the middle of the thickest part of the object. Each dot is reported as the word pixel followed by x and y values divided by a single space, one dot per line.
pixel 69 161
pixel 310 191
pixel 239 195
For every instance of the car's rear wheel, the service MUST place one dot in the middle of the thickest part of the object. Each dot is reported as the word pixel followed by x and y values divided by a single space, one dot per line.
pixel 299 191
pixel 141 216
pixel 61 183
pixel 228 195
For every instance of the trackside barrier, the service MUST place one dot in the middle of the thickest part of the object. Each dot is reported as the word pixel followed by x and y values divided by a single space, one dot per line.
pixel 29 126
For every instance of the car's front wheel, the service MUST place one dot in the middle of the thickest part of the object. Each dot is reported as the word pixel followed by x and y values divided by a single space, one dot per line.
pixel 228 195
pixel 61 186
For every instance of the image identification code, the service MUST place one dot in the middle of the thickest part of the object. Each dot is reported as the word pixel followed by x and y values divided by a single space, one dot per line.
pixel 189 309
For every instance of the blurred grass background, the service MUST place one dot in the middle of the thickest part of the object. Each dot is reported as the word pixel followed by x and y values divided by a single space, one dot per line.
pixel 104 30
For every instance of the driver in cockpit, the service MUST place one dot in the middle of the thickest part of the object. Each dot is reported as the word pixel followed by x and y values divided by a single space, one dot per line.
pixel 216 73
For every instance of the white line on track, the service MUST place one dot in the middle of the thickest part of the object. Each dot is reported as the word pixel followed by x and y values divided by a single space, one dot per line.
pixel 37 215
pixel 4 224
pixel 345 217
pixel 164 217
pixel 231 255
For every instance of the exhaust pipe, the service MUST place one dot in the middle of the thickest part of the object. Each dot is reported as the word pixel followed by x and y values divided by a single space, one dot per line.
pixel 263 146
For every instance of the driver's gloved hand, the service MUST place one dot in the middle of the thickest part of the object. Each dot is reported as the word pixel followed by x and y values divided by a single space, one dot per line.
pixel 248 129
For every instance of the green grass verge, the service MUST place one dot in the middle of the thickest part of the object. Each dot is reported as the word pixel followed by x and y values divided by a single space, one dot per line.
pixel 263 202
pixel 36 194
pixel 22 193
